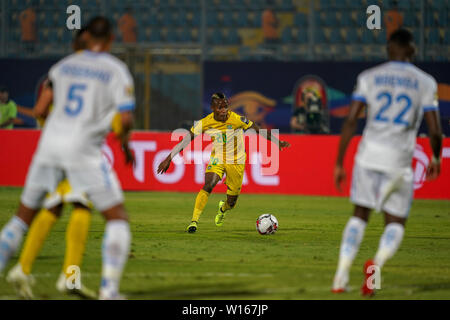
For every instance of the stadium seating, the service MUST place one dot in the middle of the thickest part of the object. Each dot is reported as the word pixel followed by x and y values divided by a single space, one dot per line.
pixel 238 22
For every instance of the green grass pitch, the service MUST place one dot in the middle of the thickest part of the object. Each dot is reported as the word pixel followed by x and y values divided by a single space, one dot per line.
pixel 235 262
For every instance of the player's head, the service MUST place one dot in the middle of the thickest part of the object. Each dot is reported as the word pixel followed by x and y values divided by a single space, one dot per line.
pixel 100 34
pixel 219 105
pixel 401 45
pixel 4 94
pixel 80 39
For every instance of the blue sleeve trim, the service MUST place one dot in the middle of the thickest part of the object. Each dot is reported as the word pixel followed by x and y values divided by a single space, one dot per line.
pixel 359 98
pixel 430 108
pixel 127 107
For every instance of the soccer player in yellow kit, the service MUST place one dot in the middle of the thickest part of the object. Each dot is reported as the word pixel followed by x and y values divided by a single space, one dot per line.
pixel 227 157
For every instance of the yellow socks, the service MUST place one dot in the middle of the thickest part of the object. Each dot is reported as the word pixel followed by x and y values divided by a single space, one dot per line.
pixel 39 230
pixel 76 236
pixel 225 206
pixel 200 203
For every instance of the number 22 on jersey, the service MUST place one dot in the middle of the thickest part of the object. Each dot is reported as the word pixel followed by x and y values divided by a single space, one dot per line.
pixel 400 99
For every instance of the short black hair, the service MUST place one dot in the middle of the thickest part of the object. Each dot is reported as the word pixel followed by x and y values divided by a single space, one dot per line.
pixel 99 28
pixel 217 95
pixel 3 88
pixel 78 44
pixel 402 37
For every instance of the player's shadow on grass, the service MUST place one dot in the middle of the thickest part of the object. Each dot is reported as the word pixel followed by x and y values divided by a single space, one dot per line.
pixel 198 291
pixel 429 287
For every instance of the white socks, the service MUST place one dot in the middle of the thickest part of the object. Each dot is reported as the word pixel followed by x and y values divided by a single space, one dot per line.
pixel 389 243
pixel 115 249
pixel 10 239
pixel 351 239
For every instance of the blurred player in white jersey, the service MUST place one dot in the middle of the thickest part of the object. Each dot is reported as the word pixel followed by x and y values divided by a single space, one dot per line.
pixel 397 95
pixel 88 89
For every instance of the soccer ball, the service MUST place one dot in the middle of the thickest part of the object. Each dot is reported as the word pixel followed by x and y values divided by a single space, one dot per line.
pixel 267 224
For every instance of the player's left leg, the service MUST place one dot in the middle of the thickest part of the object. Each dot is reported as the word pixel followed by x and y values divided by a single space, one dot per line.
pixel 76 237
pixel 235 176
pixel 41 226
pixel 396 210
pixel 389 244
pixel 39 230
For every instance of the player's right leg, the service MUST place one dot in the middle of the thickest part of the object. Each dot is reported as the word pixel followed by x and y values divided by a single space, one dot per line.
pixel 351 240
pixel 363 196
pixel 103 189
pixel 40 179
pixel 211 180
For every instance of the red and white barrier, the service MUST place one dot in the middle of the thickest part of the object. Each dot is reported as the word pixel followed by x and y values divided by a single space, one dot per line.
pixel 304 168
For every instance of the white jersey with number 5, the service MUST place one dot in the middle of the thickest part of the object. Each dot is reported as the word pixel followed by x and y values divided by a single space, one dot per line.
pixel 396 94
pixel 88 88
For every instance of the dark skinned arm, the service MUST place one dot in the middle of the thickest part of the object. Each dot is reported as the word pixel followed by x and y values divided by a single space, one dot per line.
pixel 165 164
pixel 127 121
pixel 270 137
pixel 435 135
pixel 348 130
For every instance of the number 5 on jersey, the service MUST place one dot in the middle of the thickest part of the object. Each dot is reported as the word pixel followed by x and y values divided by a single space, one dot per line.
pixel 74 99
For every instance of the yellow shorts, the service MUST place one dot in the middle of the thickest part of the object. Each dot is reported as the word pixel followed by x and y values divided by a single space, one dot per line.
pixel 234 175
pixel 65 194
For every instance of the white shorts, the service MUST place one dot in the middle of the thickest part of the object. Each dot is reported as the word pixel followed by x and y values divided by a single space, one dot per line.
pixel 98 182
pixel 388 192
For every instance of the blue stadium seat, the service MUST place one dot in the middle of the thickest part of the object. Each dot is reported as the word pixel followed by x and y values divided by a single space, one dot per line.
pixel 166 18
pixel 346 19
pixel 152 20
pixel 447 37
pixel 179 19
pixel 257 21
pixel 185 35
pixel 216 37
pixel 286 35
pixel 53 36
pixel 443 16
pixel 330 19
pixel 241 18
pixel 143 34
pixel 196 19
pixel 171 36
pixel 43 35
pixel 326 4
pixel 300 20
pixel 319 36
pixel 367 36
pixel 382 38
pixel 286 5
pixel 155 35
pixel 228 18
pixel 302 36
pixel 351 36
pixel 409 19
pixel 433 36
pixel 335 35
pixel 211 19
pixel 233 37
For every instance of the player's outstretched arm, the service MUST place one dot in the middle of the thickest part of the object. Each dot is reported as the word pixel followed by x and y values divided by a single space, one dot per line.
pixel 42 106
pixel 271 137
pixel 435 134
pixel 348 129
pixel 126 124
pixel 165 164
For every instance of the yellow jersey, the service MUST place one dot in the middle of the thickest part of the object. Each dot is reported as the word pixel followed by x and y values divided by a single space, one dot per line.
pixel 227 137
